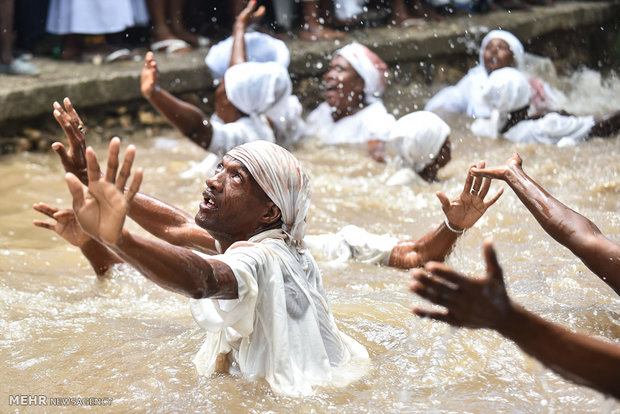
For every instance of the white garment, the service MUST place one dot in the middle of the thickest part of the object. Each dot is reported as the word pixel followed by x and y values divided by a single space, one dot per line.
pixel 371 122
pixel 348 9
pixel 369 66
pixel 418 138
pixel 95 16
pixel 280 328
pixel 259 47
pixel 257 88
pixel 352 242
pixel 553 129
pixel 245 129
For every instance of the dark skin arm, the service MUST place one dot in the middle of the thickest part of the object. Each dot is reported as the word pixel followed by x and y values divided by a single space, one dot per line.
pixel 101 213
pixel 248 15
pixel 483 303
pixel 157 217
pixel 187 118
pixel 66 226
pixel 462 213
pixel 569 228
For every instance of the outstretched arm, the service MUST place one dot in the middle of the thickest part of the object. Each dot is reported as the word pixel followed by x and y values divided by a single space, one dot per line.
pixel 248 15
pixel 484 303
pixel 101 213
pixel 187 118
pixel 461 214
pixel 566 226
pixel 66 226
pixel 158 218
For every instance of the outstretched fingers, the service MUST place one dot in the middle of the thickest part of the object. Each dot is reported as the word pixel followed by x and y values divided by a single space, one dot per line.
pixel 45 209
pixel 494 270
pixel 125 171
pixel 135 185
pixel 76 190
pixel 112 167
pixel 469 180
pixel 93 170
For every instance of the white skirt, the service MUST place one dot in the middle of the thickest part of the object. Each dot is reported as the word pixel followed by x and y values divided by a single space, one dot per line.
pixel 95 16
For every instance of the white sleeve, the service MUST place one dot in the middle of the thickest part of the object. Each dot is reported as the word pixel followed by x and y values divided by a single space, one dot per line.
pixel 227 136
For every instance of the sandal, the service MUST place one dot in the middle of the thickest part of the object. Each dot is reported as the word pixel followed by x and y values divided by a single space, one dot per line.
pixel 171 46
pixel 19 67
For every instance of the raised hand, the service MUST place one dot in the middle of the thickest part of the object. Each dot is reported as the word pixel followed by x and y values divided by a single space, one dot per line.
pixel 101 211
pixel 470 302
pixel 469 206
pixel 148 77
pixel 250 14
pixel 66 225
pixel 74 160
pixel 500 172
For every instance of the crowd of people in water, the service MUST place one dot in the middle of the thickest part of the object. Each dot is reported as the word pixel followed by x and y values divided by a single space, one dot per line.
pixel 244 259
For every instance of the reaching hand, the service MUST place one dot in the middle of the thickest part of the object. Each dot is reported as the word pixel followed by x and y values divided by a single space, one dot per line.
pixel 74 160
pixel 102 210
pixel 148 77
pixel 468 207
pixel 470 302
pixel 500 172
pixel 66 225
pixel 250 14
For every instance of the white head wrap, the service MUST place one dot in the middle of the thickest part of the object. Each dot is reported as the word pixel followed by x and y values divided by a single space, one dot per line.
pixel 259 47
pixel 283 179
pixel 506 91
pixel 515 45
pixel 418 137
pixel 369 66
pixel 257 88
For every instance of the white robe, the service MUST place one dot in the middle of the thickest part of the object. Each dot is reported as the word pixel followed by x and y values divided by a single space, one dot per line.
pixel 95 16
pixel 371 122
pixel 280 328
pixel 553 129
pixel 245 129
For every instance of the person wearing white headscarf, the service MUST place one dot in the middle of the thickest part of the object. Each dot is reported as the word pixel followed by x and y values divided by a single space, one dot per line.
pixel 466 96
pixel 253 286
pixel 507 93
pixel 360 116
pixel 260 47
pixel 419 138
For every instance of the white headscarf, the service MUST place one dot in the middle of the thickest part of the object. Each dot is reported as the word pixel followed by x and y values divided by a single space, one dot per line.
pixel 418 137
pixel 371 68
pixel 283 179
pixel 506 91
pixel 257 88
pixel 259 47
pixel 515 45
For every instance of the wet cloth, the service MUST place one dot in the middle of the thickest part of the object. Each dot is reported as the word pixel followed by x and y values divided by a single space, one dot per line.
pixel 371 68
pixel 507 91
pixel 264 88
pixel 466 96
pixel 369 123
pixel 259 47
pixel 245 129
pixel 352 242
pixel 280 328
pixel 418 137
pixel 95 16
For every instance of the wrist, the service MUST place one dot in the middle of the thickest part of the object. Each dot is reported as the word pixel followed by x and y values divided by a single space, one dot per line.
pixel 453 228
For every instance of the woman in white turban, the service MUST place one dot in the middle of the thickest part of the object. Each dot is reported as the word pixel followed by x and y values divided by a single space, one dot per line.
pixel 507 94
pixel 499 49
pixel 422 142
pixel 353 112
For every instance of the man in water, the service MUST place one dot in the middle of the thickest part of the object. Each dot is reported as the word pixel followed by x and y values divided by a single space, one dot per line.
pixel 241 258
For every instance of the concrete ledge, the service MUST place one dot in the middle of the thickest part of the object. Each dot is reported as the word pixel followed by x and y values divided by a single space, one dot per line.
pixel 91 86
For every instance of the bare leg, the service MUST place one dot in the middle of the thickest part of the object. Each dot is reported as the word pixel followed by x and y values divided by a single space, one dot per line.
pixel 606 126
pixel 313 27
pixel 6 30
pixel 175 8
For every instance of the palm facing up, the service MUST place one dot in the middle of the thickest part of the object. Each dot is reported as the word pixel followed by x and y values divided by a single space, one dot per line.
pixel 470 205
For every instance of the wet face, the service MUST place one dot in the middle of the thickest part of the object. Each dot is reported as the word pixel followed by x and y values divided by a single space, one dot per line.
pixel 497 55
pixel 223 107
pixel 344 87
pixel 233 205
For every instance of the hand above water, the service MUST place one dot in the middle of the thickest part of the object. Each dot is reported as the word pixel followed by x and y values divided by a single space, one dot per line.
pixel 469 206
pixel 66 225
pixel 73 160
